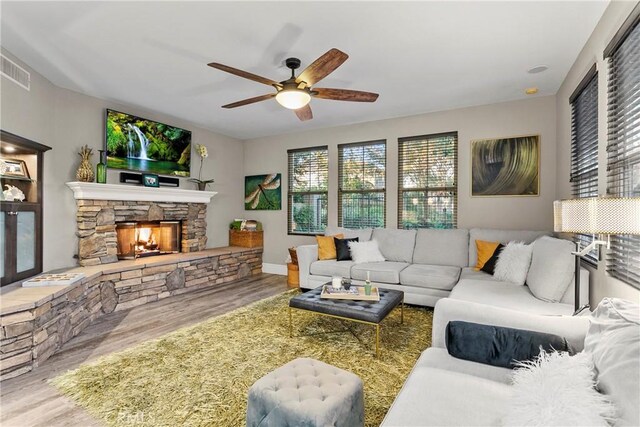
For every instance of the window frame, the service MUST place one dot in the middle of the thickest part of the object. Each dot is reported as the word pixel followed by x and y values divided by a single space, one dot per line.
pixel 426 190
pixel 623 257
pixel 291 193
pixel 585 151
pixel 342 192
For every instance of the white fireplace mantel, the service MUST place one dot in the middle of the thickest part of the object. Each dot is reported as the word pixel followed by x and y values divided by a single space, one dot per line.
pixel 94 191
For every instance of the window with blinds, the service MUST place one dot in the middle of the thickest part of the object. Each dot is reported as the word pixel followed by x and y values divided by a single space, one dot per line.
pixel 584 148
pixel 308 185
pixel 427 181
pixel 623 148
pixel 362 184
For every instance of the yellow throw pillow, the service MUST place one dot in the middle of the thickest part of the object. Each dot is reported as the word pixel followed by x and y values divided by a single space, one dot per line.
pixel 485 252
pixel 327 246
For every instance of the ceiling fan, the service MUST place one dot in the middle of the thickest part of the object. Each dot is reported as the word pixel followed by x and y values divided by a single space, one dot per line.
pixel 296 92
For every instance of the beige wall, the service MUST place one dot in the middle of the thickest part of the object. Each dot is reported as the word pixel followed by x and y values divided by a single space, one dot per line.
pixel 602 284
pixel 66 120
pixel 532 116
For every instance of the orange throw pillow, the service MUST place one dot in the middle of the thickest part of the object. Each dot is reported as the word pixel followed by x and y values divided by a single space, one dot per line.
pixel 485 252
pixel 327 246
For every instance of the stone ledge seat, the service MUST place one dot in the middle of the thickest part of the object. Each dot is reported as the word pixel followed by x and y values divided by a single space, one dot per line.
pixel 35 322
pixel 306 393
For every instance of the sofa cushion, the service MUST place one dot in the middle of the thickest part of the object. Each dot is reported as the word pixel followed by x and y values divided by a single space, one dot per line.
pixel 436 397
pixel 363 234
pixel 331 268
pixel 440 358
pixel 395 245
pixel 381 272
pixel 442 247
pixel 502 236
pixel 552 268
pixel 613 340
pixel 430 276
pixel 471 273
pixel 506 295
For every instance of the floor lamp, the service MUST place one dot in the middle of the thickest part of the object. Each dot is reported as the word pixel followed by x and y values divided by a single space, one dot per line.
pixel 598 216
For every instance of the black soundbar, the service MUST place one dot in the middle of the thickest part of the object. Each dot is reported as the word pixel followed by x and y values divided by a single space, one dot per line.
pixel 136 178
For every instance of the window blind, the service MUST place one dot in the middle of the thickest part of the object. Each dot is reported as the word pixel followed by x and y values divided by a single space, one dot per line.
pixel 584 148
pixel 427 181
pixel 308 186
pixel 362 184
pixel 623 148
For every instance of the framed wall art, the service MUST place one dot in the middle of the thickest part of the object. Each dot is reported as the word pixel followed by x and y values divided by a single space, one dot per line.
pixel 506 166
pixel 263 192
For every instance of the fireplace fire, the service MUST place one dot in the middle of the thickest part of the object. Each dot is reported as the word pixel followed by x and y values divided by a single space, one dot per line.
pixel 147 238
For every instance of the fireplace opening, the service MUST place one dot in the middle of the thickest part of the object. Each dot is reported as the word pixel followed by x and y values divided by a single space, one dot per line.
pixel 147 238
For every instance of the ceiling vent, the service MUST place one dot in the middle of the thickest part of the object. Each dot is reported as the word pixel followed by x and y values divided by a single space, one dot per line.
pixel 15 73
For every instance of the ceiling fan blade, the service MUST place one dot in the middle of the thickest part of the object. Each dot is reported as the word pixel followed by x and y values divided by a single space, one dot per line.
pixel 345 95
pixel 304 113
pixel 244 74
pixel 322 67
pixel 249 101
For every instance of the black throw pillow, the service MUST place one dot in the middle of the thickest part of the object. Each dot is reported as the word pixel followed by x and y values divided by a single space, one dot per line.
pixel 490 265
pixel 342 248
pixel 498 346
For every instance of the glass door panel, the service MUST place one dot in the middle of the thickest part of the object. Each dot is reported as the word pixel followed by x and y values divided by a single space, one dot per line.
pixel 26 241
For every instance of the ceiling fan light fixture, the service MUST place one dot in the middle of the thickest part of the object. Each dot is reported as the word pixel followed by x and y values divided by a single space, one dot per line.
pixel 293 99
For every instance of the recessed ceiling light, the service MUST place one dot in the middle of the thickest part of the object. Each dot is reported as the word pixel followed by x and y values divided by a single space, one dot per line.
pixel 537 69
pixel 8 149
pixel 531 90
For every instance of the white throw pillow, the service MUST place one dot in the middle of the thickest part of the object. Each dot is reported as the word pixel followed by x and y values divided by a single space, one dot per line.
pixel 513 263
pixel 613 340
pixel 365 252
pixel 557 389
pixel 552 268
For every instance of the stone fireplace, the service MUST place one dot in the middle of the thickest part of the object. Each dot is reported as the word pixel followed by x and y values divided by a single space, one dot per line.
pixel 105 208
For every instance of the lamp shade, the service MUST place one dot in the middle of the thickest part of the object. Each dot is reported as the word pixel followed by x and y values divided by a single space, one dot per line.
pixel 597 215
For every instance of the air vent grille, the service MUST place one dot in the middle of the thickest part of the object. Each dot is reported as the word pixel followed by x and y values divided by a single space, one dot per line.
pixel 15 73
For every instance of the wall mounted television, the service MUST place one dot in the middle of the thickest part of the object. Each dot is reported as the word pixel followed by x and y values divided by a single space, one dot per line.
pixel 138 144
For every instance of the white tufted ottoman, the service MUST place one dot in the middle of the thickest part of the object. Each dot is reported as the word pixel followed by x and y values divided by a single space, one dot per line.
pixel 304 393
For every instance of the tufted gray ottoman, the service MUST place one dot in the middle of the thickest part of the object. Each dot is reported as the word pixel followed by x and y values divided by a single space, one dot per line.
pixel 306 393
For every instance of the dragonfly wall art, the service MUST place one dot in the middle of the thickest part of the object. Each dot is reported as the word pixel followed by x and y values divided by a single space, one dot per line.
pixel 263 192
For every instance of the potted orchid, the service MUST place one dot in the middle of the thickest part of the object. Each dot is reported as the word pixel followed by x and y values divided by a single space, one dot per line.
pixel 203 153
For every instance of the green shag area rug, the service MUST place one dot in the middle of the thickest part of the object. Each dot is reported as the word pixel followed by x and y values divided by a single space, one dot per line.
pixel 200 375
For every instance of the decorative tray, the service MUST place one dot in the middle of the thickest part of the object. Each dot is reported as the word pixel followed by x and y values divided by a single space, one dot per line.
pixel 354 293
pixel 60 279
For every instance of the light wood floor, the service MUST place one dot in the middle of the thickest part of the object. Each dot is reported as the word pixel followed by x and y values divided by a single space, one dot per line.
pixel 29 400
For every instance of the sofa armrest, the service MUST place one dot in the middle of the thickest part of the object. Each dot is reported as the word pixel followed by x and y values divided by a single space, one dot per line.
pixel 307 254
pixel 573 328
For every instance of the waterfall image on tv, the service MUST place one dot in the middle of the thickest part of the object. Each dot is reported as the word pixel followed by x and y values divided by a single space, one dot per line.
pixel 143 145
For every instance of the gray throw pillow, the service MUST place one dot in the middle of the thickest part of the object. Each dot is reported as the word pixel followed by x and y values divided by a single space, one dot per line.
pixel 552 268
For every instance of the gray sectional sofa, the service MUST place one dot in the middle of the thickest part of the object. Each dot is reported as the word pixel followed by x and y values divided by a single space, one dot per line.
pixel 430 264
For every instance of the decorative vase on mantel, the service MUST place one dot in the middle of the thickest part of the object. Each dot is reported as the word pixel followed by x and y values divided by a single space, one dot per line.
pixel 101 168
pixel 85 170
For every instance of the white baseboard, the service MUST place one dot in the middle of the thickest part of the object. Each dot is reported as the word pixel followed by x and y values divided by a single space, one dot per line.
pixel 280 269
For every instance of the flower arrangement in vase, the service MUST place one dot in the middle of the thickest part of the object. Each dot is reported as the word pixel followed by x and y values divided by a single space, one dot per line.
pixel 203 154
